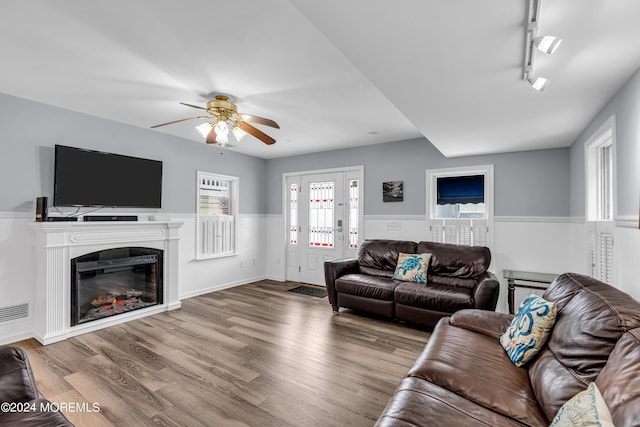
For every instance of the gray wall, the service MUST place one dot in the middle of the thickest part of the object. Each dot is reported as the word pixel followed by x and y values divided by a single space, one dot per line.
pixel 626 106
pixel 532 183
pixel 29 131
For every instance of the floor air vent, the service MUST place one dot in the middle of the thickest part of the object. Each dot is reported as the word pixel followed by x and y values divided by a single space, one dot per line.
pixel 14 312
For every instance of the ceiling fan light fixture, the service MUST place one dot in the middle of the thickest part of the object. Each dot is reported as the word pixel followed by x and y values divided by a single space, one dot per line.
pixel 204 129
pixel 547 44
pixel 222 132
pixel 238 133
pixel 226 118
pixel 538 83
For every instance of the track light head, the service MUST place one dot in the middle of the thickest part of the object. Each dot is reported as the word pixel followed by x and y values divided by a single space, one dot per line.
pixel 538 83
pixel 547 44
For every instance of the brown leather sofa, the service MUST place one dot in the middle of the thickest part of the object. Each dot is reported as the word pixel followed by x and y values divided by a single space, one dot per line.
pixel 464 377
pixel 22 404
pixel 457 279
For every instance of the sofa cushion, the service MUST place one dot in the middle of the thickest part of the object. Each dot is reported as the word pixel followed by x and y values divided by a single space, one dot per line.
pixel 16 377
pixel 529 329
pixel 619 380
pixel 456 260
pixel 482 321
pixel 585 409
pixel 380 257
pixel 459 282
pixel 574 354
pixel 412 267
pixel 434 297
pixel 420 403
pixel 475 367
pixel 363 285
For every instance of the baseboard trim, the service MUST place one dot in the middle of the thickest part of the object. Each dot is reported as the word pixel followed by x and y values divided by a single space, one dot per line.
pixel 220 287
pixel 11 339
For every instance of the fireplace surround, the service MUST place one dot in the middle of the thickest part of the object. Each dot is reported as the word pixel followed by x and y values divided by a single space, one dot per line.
pixel 58 243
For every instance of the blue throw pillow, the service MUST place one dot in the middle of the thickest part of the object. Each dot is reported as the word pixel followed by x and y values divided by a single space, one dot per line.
pixel 412 267
pixel 529 329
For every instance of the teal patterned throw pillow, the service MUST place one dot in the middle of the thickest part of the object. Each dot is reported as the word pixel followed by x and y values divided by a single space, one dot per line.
pixel 585 409
pixel 412 267
pixel 529 329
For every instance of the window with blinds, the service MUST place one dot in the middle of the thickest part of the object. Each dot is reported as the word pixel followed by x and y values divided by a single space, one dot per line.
pixel 460 202
pixel 216 215
pixel 600 191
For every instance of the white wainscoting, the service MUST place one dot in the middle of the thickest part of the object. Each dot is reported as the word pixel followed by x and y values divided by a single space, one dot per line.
pixel 208 275
pixel 17 273
pixel 626 256
pixel 274 252
pixel 539 244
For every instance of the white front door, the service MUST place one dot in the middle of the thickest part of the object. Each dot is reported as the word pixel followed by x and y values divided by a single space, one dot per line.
pixel 319 226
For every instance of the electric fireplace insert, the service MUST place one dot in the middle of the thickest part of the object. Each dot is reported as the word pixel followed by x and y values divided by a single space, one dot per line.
pixel 115 281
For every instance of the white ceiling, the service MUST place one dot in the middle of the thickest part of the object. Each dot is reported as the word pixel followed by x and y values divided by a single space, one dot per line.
pixel 331 73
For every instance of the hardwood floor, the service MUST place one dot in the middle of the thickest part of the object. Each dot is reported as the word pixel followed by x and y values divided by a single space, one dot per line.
pixel 253 355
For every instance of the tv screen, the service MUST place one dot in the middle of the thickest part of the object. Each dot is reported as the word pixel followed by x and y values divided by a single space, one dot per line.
pixel 93 178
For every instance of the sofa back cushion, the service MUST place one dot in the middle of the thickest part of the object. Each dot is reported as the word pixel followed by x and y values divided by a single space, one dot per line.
pixel 591 317
pixel 619 380
pixel 380 257
pixel 16 377
pixel 461 262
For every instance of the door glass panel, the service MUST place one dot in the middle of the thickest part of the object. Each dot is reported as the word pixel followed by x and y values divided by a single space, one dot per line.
pixel 321 214
pixel 293 214
pixel 354 196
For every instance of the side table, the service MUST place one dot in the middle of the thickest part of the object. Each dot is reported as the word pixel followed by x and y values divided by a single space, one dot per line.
pixel 525 276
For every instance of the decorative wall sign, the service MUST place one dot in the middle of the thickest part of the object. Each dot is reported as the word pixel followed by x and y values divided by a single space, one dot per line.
pixel 392 191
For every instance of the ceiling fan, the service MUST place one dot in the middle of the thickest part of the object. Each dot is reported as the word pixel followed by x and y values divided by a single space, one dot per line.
pixel 226 118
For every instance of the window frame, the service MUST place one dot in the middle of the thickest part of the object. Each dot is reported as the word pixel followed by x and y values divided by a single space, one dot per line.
pixel 605 136
pixel 600 226
pixel 233 195
pixel 432 186
pixel 432 176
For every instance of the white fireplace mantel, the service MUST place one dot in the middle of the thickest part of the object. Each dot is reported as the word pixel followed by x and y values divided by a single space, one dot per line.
pixel 57 243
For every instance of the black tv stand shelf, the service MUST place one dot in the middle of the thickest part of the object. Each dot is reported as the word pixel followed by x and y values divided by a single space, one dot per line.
pixel 110 218
pixel 62 218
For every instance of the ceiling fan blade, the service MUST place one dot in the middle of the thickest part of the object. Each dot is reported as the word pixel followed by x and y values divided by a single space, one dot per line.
pixel 211 137
pixel 178 121
pixel 259 120
pixel 256 132
pixel 194 106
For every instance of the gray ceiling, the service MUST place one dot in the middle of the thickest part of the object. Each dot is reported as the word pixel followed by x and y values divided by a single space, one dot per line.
pixel 333 74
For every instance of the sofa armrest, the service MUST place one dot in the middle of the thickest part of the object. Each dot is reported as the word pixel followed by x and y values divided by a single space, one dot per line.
pixel 486 293
pixel 334 269
pixel 16 378
pixel 482 321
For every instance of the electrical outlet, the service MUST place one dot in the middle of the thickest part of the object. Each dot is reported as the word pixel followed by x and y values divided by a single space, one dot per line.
pixel 394 226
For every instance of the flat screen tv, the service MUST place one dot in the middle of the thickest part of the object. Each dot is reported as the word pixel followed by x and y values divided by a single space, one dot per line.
pixel 93 178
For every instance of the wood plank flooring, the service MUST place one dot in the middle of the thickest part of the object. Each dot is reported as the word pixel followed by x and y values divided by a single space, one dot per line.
pixel 253 355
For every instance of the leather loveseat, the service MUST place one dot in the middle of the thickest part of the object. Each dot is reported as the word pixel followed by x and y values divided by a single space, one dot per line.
pixel 464 377
pixel 22 404
pixel 457 279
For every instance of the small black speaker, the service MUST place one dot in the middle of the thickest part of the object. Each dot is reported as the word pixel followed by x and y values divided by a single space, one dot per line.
pixel 41 209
